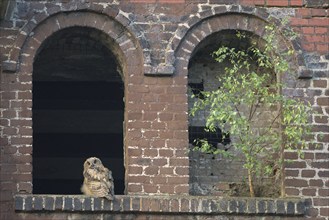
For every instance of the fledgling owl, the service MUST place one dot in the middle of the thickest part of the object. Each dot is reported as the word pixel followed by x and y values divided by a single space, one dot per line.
pixel 98 180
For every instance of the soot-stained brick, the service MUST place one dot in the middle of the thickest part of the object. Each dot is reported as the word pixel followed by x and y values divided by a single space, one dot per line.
pixel 98 204
pixel 77 204
pixel 19 204
pixel 37 204
pixel 68 205
pixel 87 204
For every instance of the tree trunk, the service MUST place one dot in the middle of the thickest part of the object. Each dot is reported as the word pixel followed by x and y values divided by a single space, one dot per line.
pixel 282 164
pixel 282 147
pixel 251 187
pixel 282 174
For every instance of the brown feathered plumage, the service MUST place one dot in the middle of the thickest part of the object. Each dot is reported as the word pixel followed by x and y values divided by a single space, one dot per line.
pixel 98 180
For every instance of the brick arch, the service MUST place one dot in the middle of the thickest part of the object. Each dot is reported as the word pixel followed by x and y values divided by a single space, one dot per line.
pixel 127 45
pixel 194 37
pixel 42 25
pixel 125 48
pixel 187 39
pixel 214 11
pixel 203 15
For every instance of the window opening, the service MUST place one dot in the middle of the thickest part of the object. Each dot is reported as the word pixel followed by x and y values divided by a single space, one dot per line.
pixel 215 138
pixel 197 89
pixel 208 171
pixel 78 111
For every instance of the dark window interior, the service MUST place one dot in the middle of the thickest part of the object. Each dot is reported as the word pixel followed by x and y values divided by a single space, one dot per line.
pixel 213 138
pixel 78 112
pixel 197 89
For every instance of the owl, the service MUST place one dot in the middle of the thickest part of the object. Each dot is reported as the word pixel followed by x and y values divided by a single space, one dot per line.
pixel 98 180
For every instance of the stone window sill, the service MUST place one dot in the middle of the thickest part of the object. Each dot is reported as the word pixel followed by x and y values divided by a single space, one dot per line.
pixel 161 204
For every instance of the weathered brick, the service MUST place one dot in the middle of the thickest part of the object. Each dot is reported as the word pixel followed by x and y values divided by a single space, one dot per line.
pixel 323 101
pixel 37 203
pixel 324 211
pixel 135 169
pixel 151 170
pixel 139 179
pixel 166 171
pixel 292 192
pixel 150 152
pixel 150 188
pixel 21 159
pixel 295 164
pixel 321 201
pixel 166 189
pixel 313 212
pixel 8 186
pixel 58 203
pixel 126 204
pixel 280 207
pixel 182 171
pixel 97 204
pixel 178 162
pixel 320 83
pixel 159 180
pixel 323 192
pixel 177 180
pixel 182 189
pixel 24 168
pixel 28 203
pixel 49 203
pixel 316 182
pixel 292 173
pixel 308 173
pixel 296 182
pixel 134 152
pixel 323 164
pixel 321 119
pixel 242 206
pixel 116 204
pixel 19 204
pixel 261 206
pixel 135 188
pixel 322 173
pixel 175 143
pixel 166 153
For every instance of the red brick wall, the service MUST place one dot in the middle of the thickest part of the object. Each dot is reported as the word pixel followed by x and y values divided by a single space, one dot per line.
pixel 157 1
pixel 155 71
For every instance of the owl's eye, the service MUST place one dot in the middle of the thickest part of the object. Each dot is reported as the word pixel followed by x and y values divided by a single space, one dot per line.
pixel 88 162
pixel 95 161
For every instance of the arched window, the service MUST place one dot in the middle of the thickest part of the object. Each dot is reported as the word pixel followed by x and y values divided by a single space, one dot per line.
pixel 78 110
pixel 214 174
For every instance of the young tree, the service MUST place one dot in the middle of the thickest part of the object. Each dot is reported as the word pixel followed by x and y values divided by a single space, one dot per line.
pixel 251 88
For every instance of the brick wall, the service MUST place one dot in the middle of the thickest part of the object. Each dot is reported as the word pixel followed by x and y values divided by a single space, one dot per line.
pixel 153 41
pixel 172 207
